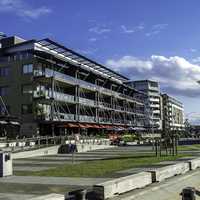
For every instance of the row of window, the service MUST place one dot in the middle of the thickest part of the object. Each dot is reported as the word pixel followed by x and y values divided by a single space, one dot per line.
pixel 26 89
pixel 5 71
pixel 25 109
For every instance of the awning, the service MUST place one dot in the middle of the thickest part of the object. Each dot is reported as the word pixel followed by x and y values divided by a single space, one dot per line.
pixel 96 126
pixel 109 127
pixel 89 125
pixel 3 122
pixel 70 125
pixel 82 125
pixel 63 126
pixel 102 126
pixel 15 123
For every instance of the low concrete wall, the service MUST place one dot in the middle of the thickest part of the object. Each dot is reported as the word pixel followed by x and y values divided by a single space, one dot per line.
pixel 163 173
pixel 194 163
pixel 54 150
pixel 3 144
pixel 121 185
pixel 38 152
pixel 90 147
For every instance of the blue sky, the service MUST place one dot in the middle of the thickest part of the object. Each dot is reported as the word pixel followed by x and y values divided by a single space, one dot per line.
pixel 156 39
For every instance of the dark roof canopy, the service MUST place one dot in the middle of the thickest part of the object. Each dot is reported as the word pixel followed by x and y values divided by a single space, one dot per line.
pixel 51 45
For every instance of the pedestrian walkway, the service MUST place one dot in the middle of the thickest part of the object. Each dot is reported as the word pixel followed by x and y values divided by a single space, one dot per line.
pixel 53 180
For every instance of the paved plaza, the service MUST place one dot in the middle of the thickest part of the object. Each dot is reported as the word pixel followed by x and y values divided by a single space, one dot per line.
pixel 27 187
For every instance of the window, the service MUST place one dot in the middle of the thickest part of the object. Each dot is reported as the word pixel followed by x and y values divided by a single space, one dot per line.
pixel 4 109
pixel 4 91
pixel 4 71
pixel 153 84
pixel 27 89
pixel 27 69
pixel 26 108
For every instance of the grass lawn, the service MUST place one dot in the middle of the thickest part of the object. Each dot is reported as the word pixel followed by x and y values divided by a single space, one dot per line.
pixel 102 168
pixel 189 147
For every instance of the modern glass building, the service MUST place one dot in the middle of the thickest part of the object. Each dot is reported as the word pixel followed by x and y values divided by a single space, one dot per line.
pixel 54 90
pixel 173 112
pixel 154 101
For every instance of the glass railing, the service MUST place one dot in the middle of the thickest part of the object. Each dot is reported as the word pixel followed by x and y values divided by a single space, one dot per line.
pixel 119 108
pixel 56 95
pixel 104 104
pixel 63 97
pixel 84 84
pixel 85 118
pixel 86 101
pixel 104 120
pixel 57 117
pixel 64 117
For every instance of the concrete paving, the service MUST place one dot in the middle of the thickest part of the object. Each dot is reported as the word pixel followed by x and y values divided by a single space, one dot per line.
pixel 53 180
pixel 14 196
pixel 20 187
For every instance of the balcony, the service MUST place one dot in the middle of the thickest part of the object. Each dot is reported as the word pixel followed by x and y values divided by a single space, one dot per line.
pixel 85 101
pixel 86 118
pixel 105 105
pixel 64 117
pixel 73 81
pixel 105 120
pixel 119 108
pixel 58 96
pixel 57 117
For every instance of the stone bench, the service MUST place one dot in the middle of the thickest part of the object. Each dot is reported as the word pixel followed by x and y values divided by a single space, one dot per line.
pixel 163 173
pixel 117 186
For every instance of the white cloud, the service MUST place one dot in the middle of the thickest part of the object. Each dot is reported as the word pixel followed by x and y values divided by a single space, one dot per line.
pixel 176 74
pixel 132 30
pixel 87 51
pixel 22 9
pixel 92 39
pixel 196 60
pixel 159 26
pixel 99 30
pixel 126 30
pixel 156 29
pixel 193 50
pixel 193 117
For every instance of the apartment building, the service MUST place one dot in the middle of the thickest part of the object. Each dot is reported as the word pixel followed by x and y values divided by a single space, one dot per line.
pixel 53 89
pixel 154 101
pixel 173 113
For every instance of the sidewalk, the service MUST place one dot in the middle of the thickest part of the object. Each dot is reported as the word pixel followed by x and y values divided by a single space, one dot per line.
pixel 53 180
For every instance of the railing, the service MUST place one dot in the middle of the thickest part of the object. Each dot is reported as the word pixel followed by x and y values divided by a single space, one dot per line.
pixel 86 101
pixel 104 104
pixel 63 97
pixel 57 117
pixel 85 118
pixel 105 120
pixel 59 96
pixel 84 84
pixel 119 108
pixel 64 117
